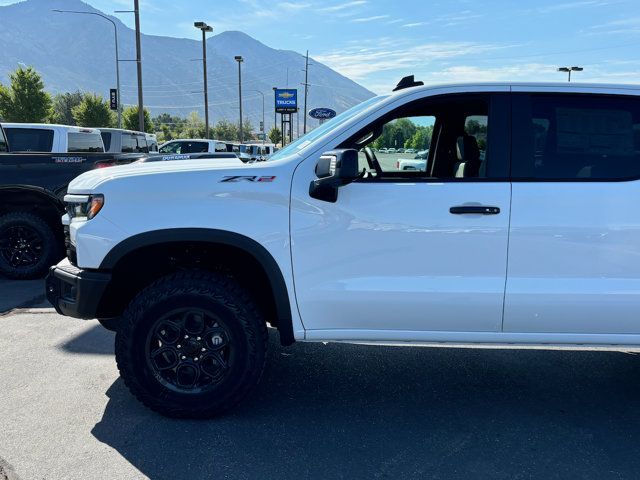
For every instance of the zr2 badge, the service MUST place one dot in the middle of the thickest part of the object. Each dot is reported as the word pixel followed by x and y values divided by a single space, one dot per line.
pixel 243 178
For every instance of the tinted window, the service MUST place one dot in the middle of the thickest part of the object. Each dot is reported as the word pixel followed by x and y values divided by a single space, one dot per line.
pixel 171 147
pixel 195 147
pixel 29 139
pixel 134 143
pixel 3 142
pixel 106 139
pixel 85 142
pixel 576 137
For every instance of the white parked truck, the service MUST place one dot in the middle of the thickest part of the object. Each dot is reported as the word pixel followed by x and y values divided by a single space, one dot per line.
pixel 44 137
pixel 534 242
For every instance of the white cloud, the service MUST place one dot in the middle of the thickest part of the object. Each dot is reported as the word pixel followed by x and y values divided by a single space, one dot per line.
pixel 343 6
pixel 412 25
pixel 369 19
pixel 358 62
pixel 578 4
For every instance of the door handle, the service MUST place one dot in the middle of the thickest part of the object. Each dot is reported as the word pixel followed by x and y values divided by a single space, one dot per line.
pixel 474 209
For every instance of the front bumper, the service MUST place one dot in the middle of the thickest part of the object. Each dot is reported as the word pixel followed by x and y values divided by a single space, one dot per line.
pixel 75 292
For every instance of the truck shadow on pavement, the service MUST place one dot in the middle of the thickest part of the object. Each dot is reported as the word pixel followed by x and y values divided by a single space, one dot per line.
pixel 352 411
pixel 97 340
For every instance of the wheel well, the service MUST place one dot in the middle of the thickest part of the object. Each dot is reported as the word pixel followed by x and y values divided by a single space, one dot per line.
pixel 140 267
pixel 46 206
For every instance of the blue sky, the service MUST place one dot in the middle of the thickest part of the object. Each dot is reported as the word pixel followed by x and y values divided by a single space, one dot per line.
pixel 376 42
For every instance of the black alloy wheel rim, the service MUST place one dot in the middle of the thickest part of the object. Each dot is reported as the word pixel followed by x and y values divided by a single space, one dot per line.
pixel 189 350
pixel 21 246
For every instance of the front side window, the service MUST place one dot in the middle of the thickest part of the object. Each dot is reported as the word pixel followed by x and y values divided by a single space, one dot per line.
pixel 576 137
pixel 447 137
pixel 171 147
pixel 84 142
pixel 29 139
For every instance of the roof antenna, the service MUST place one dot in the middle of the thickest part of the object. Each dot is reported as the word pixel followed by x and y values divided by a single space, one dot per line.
pixel 407 82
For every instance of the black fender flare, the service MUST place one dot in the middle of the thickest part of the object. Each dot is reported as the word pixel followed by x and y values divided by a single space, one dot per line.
pixel 43 192
pixel 248 245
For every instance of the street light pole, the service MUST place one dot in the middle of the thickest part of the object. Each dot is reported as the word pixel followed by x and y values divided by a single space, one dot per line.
pixel 205 28
pixel 115 36
pixel 136 13
pixel 568 70
pixel 239 59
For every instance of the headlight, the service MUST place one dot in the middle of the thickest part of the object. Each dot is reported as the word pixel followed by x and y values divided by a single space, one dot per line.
pixel 83 207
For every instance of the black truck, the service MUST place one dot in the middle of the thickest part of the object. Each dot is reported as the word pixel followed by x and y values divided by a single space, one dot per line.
pixel 32 187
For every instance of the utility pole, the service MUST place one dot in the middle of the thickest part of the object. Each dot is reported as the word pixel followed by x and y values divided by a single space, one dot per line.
pixel 239 59
pixel 136 11
pixel 275 114
pixel 306 91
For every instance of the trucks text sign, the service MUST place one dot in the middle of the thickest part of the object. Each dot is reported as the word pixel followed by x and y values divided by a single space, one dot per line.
pixel 286 100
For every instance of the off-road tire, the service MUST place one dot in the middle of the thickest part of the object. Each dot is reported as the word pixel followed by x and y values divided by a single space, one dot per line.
pixel 47 250
pixel 184 290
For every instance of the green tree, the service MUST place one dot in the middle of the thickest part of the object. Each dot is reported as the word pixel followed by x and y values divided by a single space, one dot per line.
pixel 193 127
pixel 93 111
pixel 63 103
pixel 275 135
pixel 225 130
pixel 130 119
pixel 24 100
pixel 421 140
pixel 173 123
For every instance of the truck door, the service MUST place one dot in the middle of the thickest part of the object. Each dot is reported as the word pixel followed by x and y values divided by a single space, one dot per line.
pixel 410 251
pixel 574 249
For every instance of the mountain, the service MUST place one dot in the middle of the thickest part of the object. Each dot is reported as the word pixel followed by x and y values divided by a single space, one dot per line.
pixel 73 51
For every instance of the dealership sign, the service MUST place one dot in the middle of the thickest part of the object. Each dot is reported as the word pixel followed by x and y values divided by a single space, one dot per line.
pixel 286 100
pixel 322 113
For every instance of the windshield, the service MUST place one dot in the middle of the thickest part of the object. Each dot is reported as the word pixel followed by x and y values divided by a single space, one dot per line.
pixel 324 128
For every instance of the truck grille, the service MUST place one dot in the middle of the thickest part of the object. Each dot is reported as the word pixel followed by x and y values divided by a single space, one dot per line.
pixel 70 249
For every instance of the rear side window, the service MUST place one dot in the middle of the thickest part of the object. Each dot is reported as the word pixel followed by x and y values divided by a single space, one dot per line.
pixel 85 142
pixel 134 143
pixel 29 139
pixel 576 137
pixel 106 139
pixel 3 142
pixel 195 147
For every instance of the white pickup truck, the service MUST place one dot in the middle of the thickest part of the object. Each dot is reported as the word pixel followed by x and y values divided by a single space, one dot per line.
pixel 536 243
pixel 44 137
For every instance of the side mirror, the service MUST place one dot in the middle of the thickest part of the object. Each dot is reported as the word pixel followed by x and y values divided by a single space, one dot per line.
pixel 334 169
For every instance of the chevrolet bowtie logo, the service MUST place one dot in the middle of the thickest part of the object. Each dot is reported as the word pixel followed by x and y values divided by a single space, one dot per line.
pixel 285 95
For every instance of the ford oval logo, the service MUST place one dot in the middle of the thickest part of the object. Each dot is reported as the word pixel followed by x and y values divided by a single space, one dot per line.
pixel 322 113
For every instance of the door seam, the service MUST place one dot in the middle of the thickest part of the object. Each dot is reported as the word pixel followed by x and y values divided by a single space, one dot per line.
pixel 506 272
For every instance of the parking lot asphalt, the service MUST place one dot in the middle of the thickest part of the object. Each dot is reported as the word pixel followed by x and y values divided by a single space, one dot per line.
pixel 15 294
pixel 322 411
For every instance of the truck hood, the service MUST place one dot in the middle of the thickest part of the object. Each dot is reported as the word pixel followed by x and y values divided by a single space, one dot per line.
pixel 88 181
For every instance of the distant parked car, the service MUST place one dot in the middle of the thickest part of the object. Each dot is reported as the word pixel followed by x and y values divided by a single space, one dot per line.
pixel 392 150
pixel 50 138
pixel 119 140
pixel 383 150
pixel 422 154
pixel 410 150
pixel 193 145
pixel 400 150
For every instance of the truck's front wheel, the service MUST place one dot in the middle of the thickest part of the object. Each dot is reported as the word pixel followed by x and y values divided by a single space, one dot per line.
pixel 192 344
